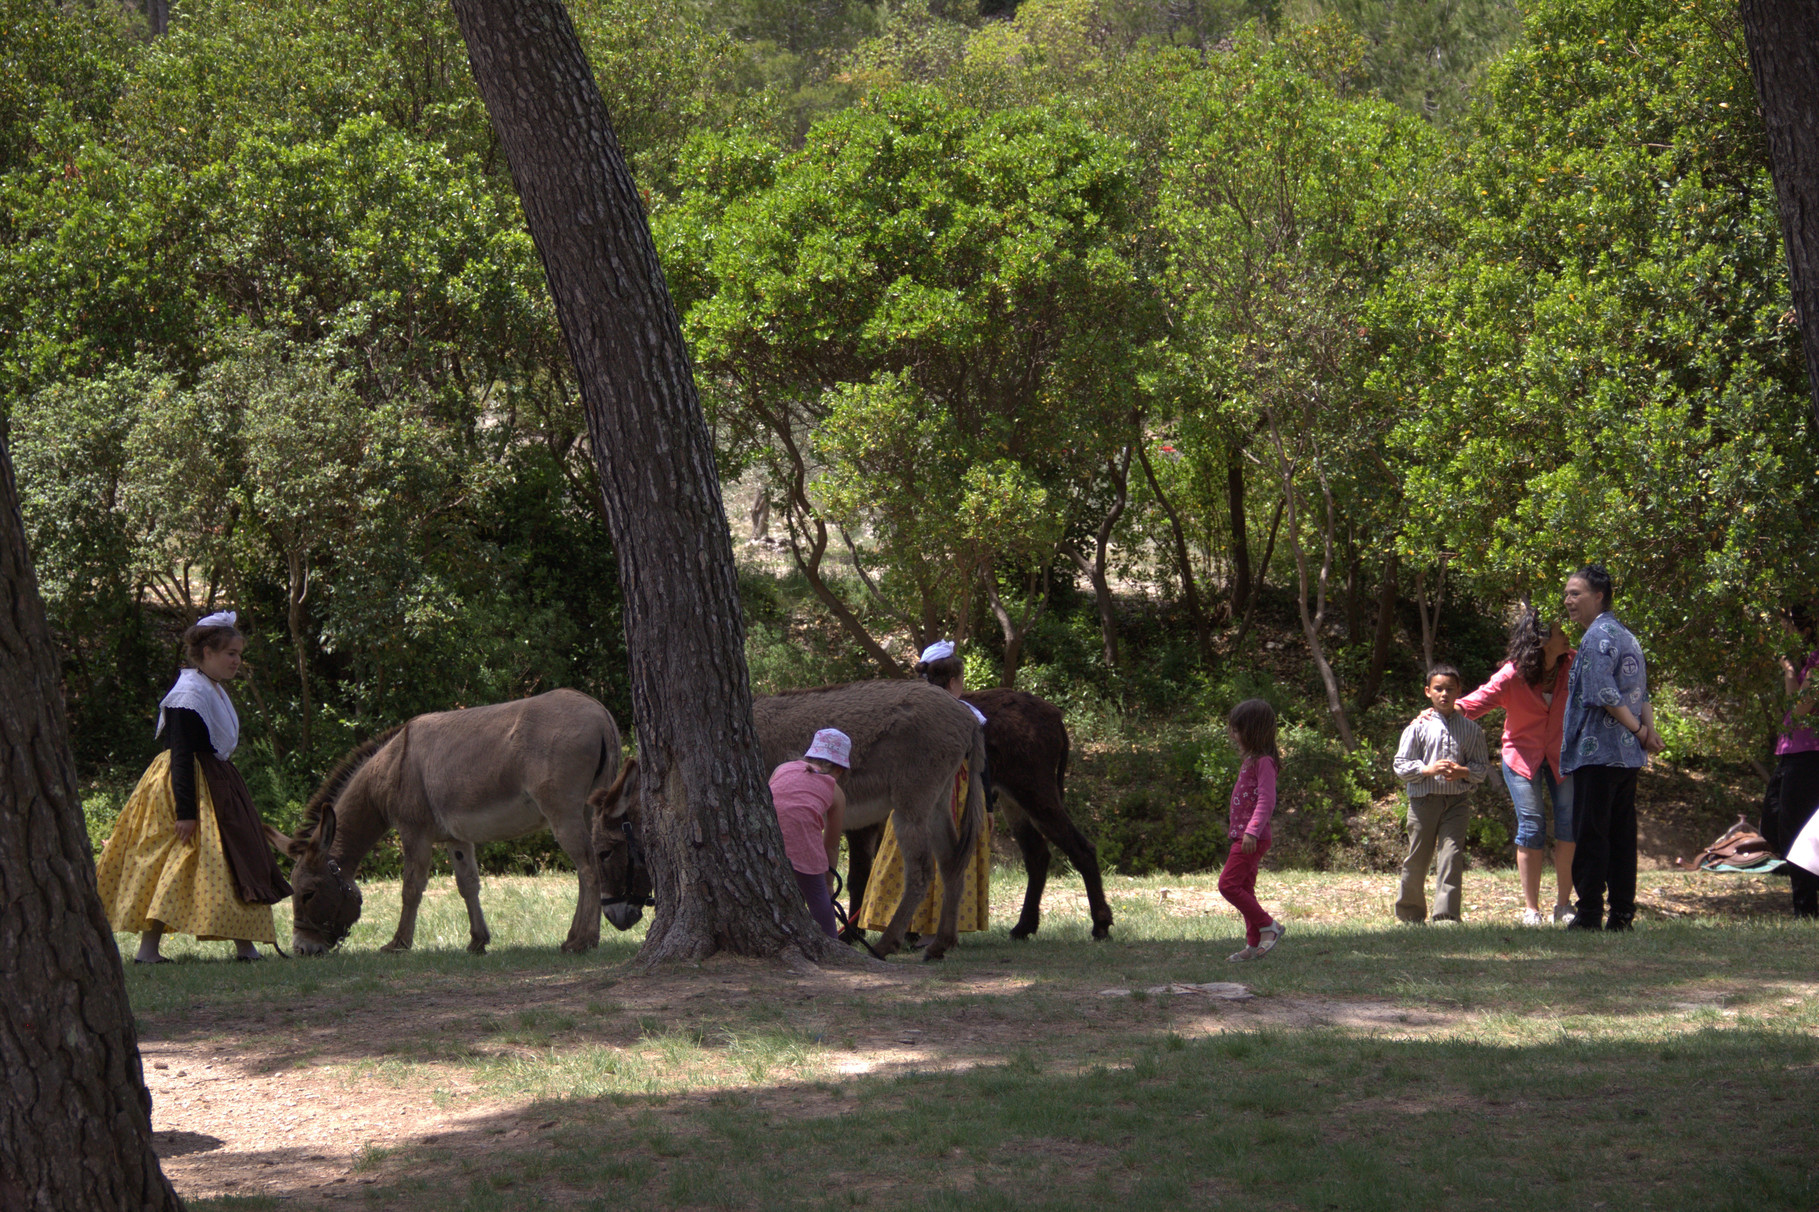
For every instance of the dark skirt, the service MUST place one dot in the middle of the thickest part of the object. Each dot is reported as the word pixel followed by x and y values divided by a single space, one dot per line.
pixel 257 877
pixel 1793 795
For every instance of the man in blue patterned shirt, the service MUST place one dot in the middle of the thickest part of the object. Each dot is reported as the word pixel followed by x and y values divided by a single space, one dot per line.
pixel 1606 738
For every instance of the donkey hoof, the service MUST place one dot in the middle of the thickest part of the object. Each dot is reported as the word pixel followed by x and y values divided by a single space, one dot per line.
pixel 1022 935
pixel 934 955
pixel 1101 933
pixel 477 946
pixel 395 946
pixel 576 946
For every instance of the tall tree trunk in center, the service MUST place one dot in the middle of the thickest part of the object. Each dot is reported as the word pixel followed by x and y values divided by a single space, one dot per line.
pixel 722 881
pixel 75 1117
pixel 1783 37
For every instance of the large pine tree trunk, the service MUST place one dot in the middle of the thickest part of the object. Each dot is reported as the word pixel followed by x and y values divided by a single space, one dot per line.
pixel 1783 37
pixel 75 1117
pixel 722 882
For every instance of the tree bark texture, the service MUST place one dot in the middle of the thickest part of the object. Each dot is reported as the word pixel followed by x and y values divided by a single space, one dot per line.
pixel 1287 461
pixel 1241 547
pixel 1783 37
pixel 1263 576
pixel 1095 569
pixel 722 882
pixel 75 1116
pixel 1190 596
pixel 1386 634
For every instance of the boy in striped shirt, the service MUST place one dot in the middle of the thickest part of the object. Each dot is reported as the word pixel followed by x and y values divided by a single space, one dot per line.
pixel 1441 758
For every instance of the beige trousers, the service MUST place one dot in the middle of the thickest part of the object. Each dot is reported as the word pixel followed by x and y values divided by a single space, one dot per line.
pixel 1436 835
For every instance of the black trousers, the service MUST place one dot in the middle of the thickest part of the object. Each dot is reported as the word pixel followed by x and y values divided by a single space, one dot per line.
pixel 1793 795
pixel 1604 816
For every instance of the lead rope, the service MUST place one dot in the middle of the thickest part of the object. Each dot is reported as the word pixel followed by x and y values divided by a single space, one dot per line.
pixel 845 925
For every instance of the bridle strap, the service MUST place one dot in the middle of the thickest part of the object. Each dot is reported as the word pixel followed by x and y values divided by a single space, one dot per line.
pixel 634 864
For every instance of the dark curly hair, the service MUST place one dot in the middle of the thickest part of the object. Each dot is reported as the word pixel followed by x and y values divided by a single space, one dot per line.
pixel 1528 640
pixel 1599 582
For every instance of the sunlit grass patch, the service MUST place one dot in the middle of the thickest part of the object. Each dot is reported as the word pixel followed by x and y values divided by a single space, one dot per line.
pixel 1002 1078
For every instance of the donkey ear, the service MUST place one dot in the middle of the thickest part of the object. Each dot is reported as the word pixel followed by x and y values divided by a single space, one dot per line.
pixel 325 829
pixel 611 803
pixel 278 840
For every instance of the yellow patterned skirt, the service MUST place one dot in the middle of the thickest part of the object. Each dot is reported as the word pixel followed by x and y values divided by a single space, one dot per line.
pixel 148 877
pixel 886 887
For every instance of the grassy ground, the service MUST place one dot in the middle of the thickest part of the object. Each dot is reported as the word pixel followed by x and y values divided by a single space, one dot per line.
pixel 1376 1066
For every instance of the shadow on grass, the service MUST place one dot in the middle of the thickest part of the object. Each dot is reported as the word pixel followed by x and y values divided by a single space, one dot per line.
pixel 438 1005
pixel 1311 1119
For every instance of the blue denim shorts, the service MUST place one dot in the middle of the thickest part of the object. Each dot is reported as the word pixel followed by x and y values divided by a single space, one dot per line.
pixel 1531 826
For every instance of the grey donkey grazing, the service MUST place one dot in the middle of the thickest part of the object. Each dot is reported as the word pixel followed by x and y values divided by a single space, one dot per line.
pixel 909 740
pixel 457 779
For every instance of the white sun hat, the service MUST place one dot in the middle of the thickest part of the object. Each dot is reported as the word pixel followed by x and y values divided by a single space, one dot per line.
pixel 832 745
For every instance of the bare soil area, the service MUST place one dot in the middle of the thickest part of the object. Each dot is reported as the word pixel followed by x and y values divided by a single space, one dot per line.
pixel 243 1106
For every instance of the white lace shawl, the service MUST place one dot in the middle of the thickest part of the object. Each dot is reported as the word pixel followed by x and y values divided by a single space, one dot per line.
pixel 207 699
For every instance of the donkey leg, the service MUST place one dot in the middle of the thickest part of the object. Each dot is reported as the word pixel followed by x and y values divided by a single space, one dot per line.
pixel 417 853
pixel 954 862
pixel 576 837
pixel 918 872
pixel 1060 830
pixel 861 849
pixel 467 881
pixel 1035 861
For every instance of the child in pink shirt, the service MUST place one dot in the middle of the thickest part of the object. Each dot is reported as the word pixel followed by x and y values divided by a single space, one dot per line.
pixel 811 810
pixel 1252 725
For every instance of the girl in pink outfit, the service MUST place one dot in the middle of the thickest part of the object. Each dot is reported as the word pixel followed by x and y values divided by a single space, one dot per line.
pixel 1252 725
pixel 1531 689
pixel 811 807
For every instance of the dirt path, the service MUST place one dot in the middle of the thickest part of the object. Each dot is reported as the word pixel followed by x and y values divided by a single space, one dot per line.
pixel 275 1114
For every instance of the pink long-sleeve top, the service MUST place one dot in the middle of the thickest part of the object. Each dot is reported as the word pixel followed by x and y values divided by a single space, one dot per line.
pixel 1253 799
pixel 1533 716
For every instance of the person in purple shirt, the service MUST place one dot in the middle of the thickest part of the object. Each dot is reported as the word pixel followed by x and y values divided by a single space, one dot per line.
pixel 1252 725
pixel 1793 790
pixel 1607 734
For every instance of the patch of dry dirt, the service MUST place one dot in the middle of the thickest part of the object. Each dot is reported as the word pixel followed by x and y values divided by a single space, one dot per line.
pixel 281 1111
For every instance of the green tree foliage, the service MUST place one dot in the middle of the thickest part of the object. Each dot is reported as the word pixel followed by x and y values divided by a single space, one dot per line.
pixel 1609 368
pixel 273 332
pixel 57 60
pixel 1287 204
pixel 922 324
pixel 1426 55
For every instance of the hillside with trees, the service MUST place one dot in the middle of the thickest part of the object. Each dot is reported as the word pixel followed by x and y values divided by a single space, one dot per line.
pixel 1164 353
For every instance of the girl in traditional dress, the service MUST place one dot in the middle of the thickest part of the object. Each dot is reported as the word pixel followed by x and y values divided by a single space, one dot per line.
pixel 189 853
pixel 941 667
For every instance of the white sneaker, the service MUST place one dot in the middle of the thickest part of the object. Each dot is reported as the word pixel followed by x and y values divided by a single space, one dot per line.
pixel 1534 917
pixel 1563 914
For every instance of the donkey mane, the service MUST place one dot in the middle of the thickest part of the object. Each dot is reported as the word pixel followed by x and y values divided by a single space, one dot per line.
pixel 800 690
pixel 336 782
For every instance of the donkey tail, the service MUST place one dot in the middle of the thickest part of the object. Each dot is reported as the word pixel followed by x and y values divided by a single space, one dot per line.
pixel 972 817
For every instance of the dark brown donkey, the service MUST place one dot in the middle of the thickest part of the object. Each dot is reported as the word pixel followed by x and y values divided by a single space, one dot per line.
pixel 1026 749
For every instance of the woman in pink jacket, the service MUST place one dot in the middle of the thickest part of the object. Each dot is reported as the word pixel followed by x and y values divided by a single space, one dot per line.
pixel 1531 689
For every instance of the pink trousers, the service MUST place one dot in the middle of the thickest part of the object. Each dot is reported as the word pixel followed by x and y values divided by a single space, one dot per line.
pixel 1238 884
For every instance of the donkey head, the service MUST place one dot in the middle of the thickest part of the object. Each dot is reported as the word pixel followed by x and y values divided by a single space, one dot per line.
pixel 324 903
pixel 625 881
